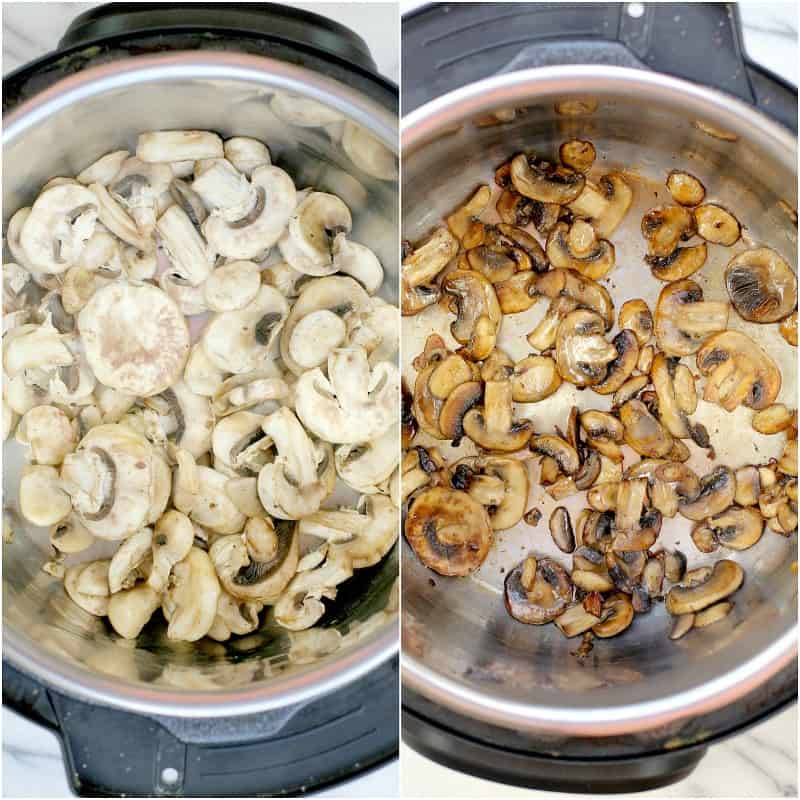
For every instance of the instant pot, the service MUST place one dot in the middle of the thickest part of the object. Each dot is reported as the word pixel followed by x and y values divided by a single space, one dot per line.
pixel 271 713
pixel 655 87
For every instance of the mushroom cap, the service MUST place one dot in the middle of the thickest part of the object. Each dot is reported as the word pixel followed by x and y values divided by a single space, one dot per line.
pixel 135 338
pixel 549 596
pixel 449 531
pixel 761 285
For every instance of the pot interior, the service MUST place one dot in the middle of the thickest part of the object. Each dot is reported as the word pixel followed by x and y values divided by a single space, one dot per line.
pixel 39 620
pixel 457 633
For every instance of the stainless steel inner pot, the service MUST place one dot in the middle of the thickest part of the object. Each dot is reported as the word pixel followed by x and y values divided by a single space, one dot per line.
pixel 461 649
pixel 59 132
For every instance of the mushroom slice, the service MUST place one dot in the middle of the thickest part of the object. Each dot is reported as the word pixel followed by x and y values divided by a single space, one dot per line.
pixel 543 336
pixel 128 558
pixel 561 530
pixel 426 409
pixel 213 508
pixel 635 316
pixel 129 610
pixel 761 285
pixel 534 379
pixel 459 402
pixel 604 205
pixel 478 312
pixel 246 154
pixel 665 227
pixel 788 328
pixel 118 221
pixel 239 443
pixel 449 531
pixel 670 409
pixel 171 543
pixel 712 614
pixel 620 368
pixel 449 373
pixel 96 600
pixel 537 591
pixel 630 389
pixel 684 321
pixel 312 228
pixel 189 200
pixel 685 188
pixel 643 432
pixel 233 617
pixel 249 237
pixel 725 578
pixel 243 340
pixel 577 247
pixel 556 448
pixel 679 264
pixel 492 426
pixel 737 528
pixel 232 286
pixel 228 193
pixel 545 182
pixel 748 486
pixel 190 604
pixel 583 290
pixel 190 256
pixel 302 474
pixel 461 219
pixel 358 261
pixel 354 403
pixel 135 338
pixel 42 500
pixel 582 353
pixel 508 507
pixel 617 616
pixel 577 154
pixel 104 169
pixel 368 153
pixel 787 463
pixel 167 146
pixel 774 419
pixel 425 262
pixel 60 222
pixel 518 293
pixel 366 467
pixel 575 621
pixel 631 495
pixel 716 493
pixel 716 225
pixel 737 372
pixel 70 535
pixel 49 432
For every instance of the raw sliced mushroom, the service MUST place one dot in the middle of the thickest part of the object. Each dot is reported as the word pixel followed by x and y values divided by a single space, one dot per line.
pixel 737 372
pixel 726 577
pixel 227 193
pixel 358 261
pixel 577 247
pixel 545 182
pixel 239 444
pixel 117 220
pixel 684 320
pixel 448 530
pixel 128 558
pixel 104 169
pixel 478 312
pixel 716 493
pixel 716 225
pixel 212 508
pixel 49 433
pixel 171 543
pixel 491 425
pixel 761 285
pixel 96 600
pixel 42 500
pixel 685 188
pixel 232 286
pixel 366 467
pixel 168 146
pixel 582 353
pixel 70 535
pixel 537 591
pixel 368 153
pixel 190 604
pixel 129 610
pixel 246 154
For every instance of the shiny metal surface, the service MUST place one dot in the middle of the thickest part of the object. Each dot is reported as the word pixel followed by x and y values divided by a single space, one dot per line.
pixel 59 132
pixel 461 649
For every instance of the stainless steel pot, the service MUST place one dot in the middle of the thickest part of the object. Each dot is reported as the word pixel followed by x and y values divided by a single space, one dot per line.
pixel 261 686
pixel 482 692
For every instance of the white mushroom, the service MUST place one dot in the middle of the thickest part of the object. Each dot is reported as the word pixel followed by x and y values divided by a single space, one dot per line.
pixel 167 146
pixel 302 474
pixel 285 278
pixel 84 577
pixel 135 337
pixel 117 220
pixel 233 617
pixel 104 169
pixel 242 340
pixel 192 259
pixel 358 261
pixel 377 331
pixel 61 220
pixel 49 432
pixel 129 557
pixel 353 404
pixel 213 508
pixel 366 467
pixel 184 479
pixel 70 535
pixel 239 443
pixel 251 236
pixel 102 252
pixel 191 603
pixel 302 111
pixel 191 300
pixel 308 242
pixel 130 610
pixel 200 374
pixel 31 347
pixel 262 388
pixel 232 286
pixel 10 420
pixel 367 153
pixel 225 190
pixel 243 492
pixel 42 500
pixel 173 539
pixel 137 187
pixel 246 154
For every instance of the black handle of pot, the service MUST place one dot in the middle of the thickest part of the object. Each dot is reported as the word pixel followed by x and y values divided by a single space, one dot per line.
pixel 108 752
pixel 450 45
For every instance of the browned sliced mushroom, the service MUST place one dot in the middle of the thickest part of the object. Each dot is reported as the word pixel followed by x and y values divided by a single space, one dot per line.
pixel 712 614
pixel 526 250
pixel 449 531
pixel 561 530
pixel 748 486
pixel 577 247
pixel 584 291
pixel 685 188
pixel 679 264
pixel 761 285
pixel 620 615
pixel 716 225
pixel 549 471
pixel 492 426
pixel 518 293
pixel 665 227
pixel 738 372
pixel 534 378
pixel 684 320
pixel 787 463
pixel 450 372
pixel 461 399
pixel 645 362
pixel 508 505
pixel 543 336
pixel 726 577
pixel 417 298
pixel 421 266
pixel 620 369
pixel 426 408
pixel 514 209
pixel 670 409
pixel 774 419
pixel 478 312
pixel 643 432
pixel 653 576
pixel 407 420
pixel 558 449
pixel 603 497
pixel 717 490
pixel 631 495
pixel 577 154
pixel 589 472
pixel 602 425
pixel 674 565
pixel 575 621
pixel 537 591
pixel 545 182
pixel 704 538
pixel 681 625
pixel 630 389
pixel 497 367
pixel 459 221
pixel 672 481
pixel 582 352
pixel 788 328
pixel 641 538
pixel 636 317
pixel 604 205
pixel 737 527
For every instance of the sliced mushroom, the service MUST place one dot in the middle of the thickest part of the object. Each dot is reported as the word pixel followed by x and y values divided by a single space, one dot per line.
pixel 787 463
pixel 716 493
pixel 49 432
pixel 556 448
pixel 716 225
pixel 545 182
pixel 129 610
pixel 168 146
pixel 577 154
pixel 636 317
pixel 738 372
pixel 104 169
pixel 788 328
pixel 774 419
pixel 621 367
pixel 492 426
pixel 190 604
pixel 582 353
pixel 233 617
pixel 451 416
pixel 575 621
pixel 605 205
pixel 643 432
pixel 534 379
pixel 358 261
pixel 478 312
pixel 725 579
pixel 577 247
pixel 679 264
pixel 681 625
pixel 246 154
pixel 684 320
pixel 748 486
pixel 737 527
pixel 685 188
pixel 92 577
pixel 508 506
pixel 42 500
pixel 543 336
pixel 761 285
pixel 582 289
pixel 617 616
pixel 260 388
pixel 665 227
pixel 366 467
pixel 561 530
pixel 449 531
pixel 460 220
pixel 128 558
pixel 544 594
pixel 232 286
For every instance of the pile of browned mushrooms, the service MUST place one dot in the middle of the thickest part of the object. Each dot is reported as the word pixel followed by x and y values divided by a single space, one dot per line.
pixel 482 272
